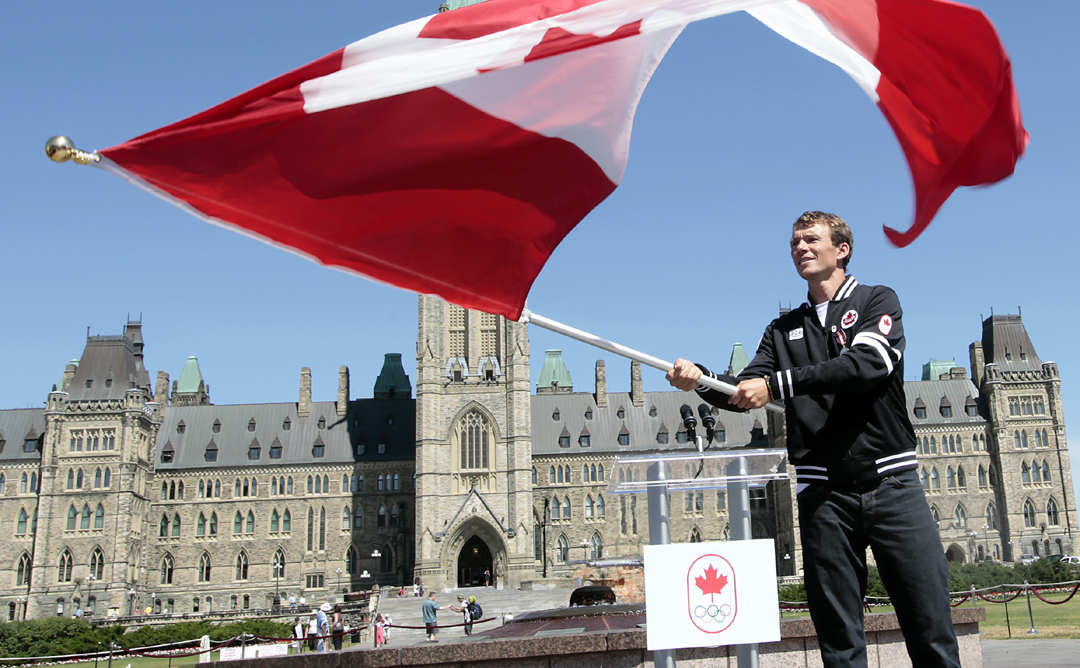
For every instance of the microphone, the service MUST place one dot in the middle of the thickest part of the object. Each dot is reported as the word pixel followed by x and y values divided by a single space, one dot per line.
pixel 708 420
pixel 707 417
pixel 689 421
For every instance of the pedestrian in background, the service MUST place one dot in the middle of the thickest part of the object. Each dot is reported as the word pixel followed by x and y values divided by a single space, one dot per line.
pixel 337 627
pixel 298 633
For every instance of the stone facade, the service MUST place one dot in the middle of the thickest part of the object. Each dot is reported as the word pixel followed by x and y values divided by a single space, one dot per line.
pixel 121 495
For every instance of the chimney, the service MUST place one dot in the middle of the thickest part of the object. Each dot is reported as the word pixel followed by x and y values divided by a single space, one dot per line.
pixel 161 390
pixel 303 408
pixel 69 373
pixel 637 395
pixel 978 362
pixel 343 391
pixel 601 385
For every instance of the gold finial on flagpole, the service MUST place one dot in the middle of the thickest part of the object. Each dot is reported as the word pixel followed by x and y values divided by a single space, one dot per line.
pixel 62 149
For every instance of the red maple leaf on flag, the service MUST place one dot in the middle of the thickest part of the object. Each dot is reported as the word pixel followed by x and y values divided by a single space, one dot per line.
pixel 711 584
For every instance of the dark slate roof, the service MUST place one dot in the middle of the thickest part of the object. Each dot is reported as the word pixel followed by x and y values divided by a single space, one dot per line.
pixel 367 421
pixel 605 425
pixel 957 393
pixel 1005 343
pixel 15 427
pixel 110 364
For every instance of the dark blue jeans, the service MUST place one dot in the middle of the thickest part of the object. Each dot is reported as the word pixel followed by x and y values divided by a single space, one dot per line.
pixel 894 520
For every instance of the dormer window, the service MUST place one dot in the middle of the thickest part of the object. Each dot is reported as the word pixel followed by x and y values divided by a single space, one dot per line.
pixel 216 427
pixel 181 427
pixel 945 407
pixel 211 452
pixel 286 425
pixel 322 423
pixel 251 424
pixel 555 416
pixel 254 452
pixel 89 383
pixel 920 408
pixel 166 456
pixel 588 413
pixel 621 413
pixel 108 382
pixel 652 411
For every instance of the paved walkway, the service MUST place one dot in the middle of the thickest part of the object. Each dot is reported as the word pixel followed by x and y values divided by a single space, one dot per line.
pixel 1022 653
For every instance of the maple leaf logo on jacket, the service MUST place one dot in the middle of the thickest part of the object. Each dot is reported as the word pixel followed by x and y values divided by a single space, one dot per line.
pixel 711 593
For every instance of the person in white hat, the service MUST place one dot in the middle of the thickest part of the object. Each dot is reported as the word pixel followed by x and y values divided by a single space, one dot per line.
pixel 324 626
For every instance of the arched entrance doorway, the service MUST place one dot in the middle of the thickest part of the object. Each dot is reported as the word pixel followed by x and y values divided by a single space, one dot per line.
pixel 473 560
pixel 955 553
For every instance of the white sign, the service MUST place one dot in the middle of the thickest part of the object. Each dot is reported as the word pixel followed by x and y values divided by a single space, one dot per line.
pixel 277 649
pixel 231 653
pixel 711 594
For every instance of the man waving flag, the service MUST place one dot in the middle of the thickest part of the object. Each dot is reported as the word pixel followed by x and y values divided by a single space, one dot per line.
pixel 451 155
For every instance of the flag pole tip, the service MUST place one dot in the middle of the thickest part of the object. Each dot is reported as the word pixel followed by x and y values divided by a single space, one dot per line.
pixel 525 317
pixel 62 149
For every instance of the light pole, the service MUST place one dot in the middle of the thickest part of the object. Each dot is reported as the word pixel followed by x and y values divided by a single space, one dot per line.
pixel 787 565
pixel 338 571
pixel 131 604
pixel 90 594
pixel 585 548
pixel 376 555
pixel 278 566
pixel 153 602
pixel 974 542
pixel 986 543
pixel 22 604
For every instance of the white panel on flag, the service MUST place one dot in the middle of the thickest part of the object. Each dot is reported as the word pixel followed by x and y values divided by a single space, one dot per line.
pixel 693 470
pixel 711 594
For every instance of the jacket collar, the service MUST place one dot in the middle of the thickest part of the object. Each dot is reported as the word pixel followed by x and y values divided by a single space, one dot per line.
pixel 845 289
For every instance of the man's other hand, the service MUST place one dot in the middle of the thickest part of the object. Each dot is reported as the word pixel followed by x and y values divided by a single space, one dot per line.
pixel 753 393
pixel 684 375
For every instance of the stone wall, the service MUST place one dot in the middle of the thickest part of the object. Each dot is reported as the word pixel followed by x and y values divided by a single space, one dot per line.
pixel 626 649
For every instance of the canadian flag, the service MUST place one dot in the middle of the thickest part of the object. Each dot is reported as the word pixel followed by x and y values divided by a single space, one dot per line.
pixel 451 155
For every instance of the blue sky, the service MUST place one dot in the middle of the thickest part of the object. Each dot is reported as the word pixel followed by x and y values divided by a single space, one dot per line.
pixel 738 133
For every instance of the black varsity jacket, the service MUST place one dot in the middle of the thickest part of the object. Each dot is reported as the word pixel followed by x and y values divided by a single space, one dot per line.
pixel 842 385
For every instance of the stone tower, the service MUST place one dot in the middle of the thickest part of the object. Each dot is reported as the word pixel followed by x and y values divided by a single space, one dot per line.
pixel 95 473
pixel 1036 511
pixel 473 448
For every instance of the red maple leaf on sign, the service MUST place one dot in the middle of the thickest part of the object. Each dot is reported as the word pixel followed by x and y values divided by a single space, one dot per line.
pixel 711 584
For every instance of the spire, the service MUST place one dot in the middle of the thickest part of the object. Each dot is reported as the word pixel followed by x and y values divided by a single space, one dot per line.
pixel 191 377
pixel 392 382
pixel 554 377
pixel 189 389
pixel 739 360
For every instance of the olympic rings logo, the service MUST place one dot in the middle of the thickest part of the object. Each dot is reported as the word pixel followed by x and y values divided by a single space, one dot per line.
pixel 713 614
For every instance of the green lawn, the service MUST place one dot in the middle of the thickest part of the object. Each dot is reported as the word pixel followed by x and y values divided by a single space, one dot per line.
pixel 1051 621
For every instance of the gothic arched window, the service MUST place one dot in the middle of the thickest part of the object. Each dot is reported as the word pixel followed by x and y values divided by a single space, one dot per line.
pixel 474 436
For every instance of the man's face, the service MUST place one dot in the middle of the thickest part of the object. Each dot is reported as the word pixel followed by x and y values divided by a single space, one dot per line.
pixel 813 252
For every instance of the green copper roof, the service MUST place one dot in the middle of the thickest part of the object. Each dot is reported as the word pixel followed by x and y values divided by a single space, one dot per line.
pixel 933 369
pixel 190 377
pixel 739 360
pixel 392 381
pixel 457 4
pixel 554 373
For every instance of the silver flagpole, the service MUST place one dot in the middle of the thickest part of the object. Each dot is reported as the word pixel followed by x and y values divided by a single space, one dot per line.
pixel 528 317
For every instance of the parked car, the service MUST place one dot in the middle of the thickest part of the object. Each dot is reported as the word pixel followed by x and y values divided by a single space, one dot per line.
pixel 1026 559
pixel 1075 561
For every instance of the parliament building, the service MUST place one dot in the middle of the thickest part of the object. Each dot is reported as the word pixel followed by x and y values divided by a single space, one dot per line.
pixel 129 491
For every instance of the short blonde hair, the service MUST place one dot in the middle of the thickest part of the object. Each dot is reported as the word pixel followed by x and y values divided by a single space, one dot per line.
pixel 839 232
